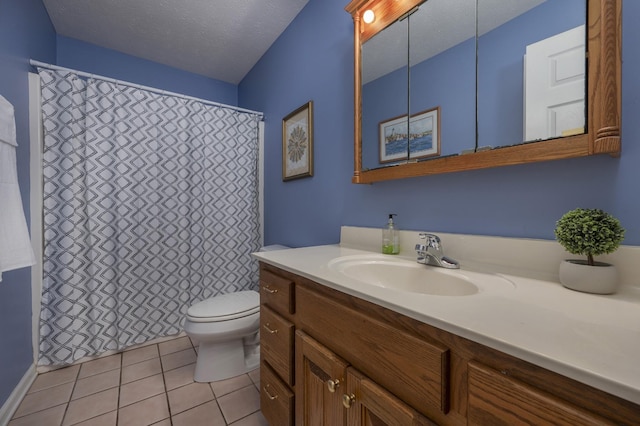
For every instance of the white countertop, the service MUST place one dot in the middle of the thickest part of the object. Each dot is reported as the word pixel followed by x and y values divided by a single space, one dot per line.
pixel 593 339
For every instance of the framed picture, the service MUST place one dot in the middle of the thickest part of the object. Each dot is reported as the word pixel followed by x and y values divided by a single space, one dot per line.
pixel 420 140
pixel 297 143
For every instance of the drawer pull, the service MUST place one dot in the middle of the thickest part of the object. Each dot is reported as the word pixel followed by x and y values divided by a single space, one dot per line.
pixel 270 291
pixel 348 400
pixel 271 331
pixel 332 385
pixel 266 390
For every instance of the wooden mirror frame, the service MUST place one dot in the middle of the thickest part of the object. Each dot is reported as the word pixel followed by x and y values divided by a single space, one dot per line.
pixel 604 106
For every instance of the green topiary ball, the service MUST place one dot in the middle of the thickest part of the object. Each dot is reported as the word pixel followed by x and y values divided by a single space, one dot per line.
pixel 589 232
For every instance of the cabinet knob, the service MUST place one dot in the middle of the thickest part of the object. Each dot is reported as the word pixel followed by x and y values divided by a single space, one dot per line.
pixel 270 291
pixel 332 385
pixel 348 400
pixel 269 329
pixel 266 390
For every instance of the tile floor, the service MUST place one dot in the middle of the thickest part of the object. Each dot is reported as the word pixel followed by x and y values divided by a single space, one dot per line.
pixel 151 385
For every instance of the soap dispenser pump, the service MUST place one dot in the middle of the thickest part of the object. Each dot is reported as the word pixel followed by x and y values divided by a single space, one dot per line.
pixel 390 237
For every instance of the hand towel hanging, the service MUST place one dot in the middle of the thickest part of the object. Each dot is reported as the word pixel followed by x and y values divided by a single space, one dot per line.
pixel 15 245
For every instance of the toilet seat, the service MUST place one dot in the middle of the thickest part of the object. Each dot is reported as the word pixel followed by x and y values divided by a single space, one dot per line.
pixel 225 307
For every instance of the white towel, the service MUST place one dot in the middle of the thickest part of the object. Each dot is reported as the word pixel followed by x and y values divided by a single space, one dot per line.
pixel 15 245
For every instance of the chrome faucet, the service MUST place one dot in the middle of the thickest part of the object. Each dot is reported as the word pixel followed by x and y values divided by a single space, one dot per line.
pixel 430 252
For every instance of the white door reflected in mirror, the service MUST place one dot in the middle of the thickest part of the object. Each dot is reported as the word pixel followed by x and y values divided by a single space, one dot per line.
pixel 555 86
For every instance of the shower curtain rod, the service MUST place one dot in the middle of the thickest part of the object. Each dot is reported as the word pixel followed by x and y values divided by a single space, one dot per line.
pixel 138 86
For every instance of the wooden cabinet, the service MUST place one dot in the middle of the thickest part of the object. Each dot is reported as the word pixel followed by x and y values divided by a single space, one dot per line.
pixel 394 370
pixel 371 405
pixel 276 343
pixel 276 398
pixel 332 393
pixel 497 399
pixel 321 380
pixel 277 309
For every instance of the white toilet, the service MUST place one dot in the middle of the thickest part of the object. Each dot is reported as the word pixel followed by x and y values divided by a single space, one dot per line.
pixel 227 328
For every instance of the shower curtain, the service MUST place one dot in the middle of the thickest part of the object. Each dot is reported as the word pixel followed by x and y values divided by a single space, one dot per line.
pixel 150 204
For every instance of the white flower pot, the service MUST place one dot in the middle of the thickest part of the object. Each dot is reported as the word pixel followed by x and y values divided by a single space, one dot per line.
pixel 600 279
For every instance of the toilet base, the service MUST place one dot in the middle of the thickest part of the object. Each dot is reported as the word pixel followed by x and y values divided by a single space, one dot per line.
pixel 223 360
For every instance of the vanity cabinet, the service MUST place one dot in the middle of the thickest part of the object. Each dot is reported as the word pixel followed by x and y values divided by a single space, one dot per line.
pixel 370 404
pixel 496 399
pixel 391 369
pixel 277 311
pixel 322 377
pixel 334 393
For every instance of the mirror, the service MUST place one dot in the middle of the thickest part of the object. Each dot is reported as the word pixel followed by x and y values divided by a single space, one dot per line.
pixel 443 72
pixel 417 81
pixel 384 76
pixel 590 130
pixel 531 70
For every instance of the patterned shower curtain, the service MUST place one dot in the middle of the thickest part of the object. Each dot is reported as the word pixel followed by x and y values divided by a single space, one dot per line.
pixel 150 204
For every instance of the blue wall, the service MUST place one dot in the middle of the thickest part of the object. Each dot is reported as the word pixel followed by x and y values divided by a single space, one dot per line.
pixel 25 32
pixel 312 59
pixel 78 55
pixel 515 201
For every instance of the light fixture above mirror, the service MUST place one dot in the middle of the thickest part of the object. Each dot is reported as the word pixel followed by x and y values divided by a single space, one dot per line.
pixel 601 134
pixel 368 16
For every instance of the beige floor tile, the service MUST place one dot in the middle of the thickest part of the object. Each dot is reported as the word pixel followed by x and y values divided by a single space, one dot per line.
pixel 44 399
pixel 254 375
pixel 141 370
pixel 55 378
pixel 95 398
pixel 100 365
pixel 255 419
pixel 91 406
pixel 97 383
pixel 49 417
pixel 108 419
pixel 240 403
pixel 145 412
pixel 194 342
pixel 224 387
pixel 178 359
pixel 207 414
pixel 179 376
pixel 175 345
pixel 189 396
pixel 141 389
pixel 140 354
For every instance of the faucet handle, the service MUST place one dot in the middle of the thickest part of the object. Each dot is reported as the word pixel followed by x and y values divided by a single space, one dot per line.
pixel 431 240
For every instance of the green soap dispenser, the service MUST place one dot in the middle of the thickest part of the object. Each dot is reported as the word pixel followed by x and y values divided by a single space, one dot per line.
pixel 390 237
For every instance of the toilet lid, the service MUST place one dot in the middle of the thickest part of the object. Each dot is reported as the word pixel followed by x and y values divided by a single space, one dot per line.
pixel 226 306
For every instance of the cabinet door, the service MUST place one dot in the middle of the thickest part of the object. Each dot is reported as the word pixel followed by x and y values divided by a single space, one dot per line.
pixel 496 399
pixel 320 382
pixel 371 405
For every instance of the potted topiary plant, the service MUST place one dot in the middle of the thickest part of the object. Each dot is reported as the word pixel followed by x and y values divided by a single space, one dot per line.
pixel 589 232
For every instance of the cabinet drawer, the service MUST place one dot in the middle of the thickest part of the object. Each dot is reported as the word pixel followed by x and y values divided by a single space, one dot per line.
pixel 414 370
pixel 497 399
pixel 276 400
pixel 276 292
pixel 276 343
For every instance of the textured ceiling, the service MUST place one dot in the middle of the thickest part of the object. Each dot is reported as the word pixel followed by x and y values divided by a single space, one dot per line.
pixel 221 39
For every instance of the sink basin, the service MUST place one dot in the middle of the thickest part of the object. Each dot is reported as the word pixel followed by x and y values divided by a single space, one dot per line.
pixel 409 276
